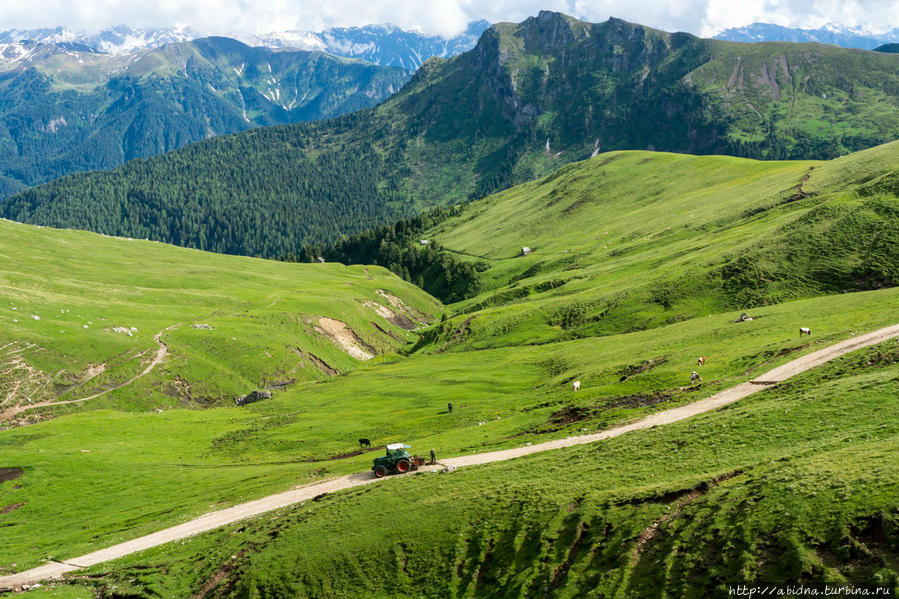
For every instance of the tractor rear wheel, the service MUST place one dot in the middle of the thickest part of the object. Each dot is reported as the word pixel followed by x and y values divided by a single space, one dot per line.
pixel 403 465
pixel 380 472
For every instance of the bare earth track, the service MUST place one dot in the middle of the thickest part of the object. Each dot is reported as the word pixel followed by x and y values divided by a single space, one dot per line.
pixel 157 359
pixel 227 516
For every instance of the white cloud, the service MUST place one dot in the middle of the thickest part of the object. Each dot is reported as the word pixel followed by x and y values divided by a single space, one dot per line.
pixel 439 17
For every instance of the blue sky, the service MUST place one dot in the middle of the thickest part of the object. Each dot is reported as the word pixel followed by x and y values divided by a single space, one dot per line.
pixel 440 17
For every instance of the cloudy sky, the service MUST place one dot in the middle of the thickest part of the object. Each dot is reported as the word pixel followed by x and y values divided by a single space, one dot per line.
pixel 441 17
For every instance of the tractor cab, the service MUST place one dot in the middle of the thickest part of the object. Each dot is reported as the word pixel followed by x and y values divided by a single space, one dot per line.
pixel 396 461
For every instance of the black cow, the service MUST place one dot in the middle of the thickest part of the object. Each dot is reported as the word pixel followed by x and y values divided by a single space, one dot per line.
pixel 364 443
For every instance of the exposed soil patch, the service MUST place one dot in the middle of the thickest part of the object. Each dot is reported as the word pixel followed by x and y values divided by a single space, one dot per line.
pixel 343 455
pixel 344 337
pixel 784 352
pixel 220 575
pixel 10 474
pixel 800 193
pixel 569 414
pixel 682 498
pixel 278 385
pixel 388 333
pixel 403 307
pixel 317 362
pixel 10 508
pixel 562 571
pixel 463 330
pixel 93 370
pixel 390 316
pixel 635 369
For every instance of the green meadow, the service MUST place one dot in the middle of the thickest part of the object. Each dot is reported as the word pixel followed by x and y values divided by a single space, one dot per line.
pixel 634 240
pixel 798 483
pixel 70 301
pixel 641 262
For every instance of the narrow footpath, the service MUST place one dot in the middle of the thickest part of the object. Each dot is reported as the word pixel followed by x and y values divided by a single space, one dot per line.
pixel 212 520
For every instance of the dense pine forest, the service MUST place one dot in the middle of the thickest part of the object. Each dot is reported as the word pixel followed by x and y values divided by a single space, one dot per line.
pixel 401 248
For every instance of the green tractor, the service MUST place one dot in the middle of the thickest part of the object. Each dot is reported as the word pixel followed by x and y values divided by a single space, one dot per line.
pixel 397 461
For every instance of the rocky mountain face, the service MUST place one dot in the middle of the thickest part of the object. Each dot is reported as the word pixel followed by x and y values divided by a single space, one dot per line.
pixel 64 109
pixel 838 35
pixel 529 98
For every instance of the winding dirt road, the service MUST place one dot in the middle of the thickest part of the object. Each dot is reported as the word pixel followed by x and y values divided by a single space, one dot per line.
pixel 233 514
pixel 157 359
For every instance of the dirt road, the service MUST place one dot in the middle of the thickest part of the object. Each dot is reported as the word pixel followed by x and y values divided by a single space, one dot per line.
pixel 157 359
pixel 226 516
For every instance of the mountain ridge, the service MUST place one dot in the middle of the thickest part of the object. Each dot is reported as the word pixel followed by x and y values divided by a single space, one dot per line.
pixel 385 45
pixel 62 110
pixel 847 37
pixel 529 98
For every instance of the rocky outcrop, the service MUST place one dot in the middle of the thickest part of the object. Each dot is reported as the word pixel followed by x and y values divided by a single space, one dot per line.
pixel 253 396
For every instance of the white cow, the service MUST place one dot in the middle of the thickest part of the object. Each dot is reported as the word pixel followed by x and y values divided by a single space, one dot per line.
pixel 805 331
pixel 576 386
pixel 694 378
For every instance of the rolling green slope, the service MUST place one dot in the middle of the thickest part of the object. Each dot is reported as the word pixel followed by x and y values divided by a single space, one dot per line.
pixel 796 486
pixel 633 240
pixel 529 98
pixel 506 362
pixel 80 313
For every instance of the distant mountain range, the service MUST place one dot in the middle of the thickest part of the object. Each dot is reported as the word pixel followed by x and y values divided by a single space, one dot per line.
pixel 65 109
pixel 838 35
pixel 529 98
pixel 384 45
pixel 73 101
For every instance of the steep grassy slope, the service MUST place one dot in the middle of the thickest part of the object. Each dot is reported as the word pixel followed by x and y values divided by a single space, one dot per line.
pixel 632 240
pixel 63 111
pixel 797 485
pixel 528 99
pixel 507 367
pixel 120 474
pixel 69 300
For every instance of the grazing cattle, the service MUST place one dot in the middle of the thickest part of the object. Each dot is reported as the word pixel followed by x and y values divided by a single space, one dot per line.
pixel 805 331
pixel 744 317
pixel 701 360
pixel 449 407
pixel 576 386
pixel 623 378
pixel 694 378
pixel 364 443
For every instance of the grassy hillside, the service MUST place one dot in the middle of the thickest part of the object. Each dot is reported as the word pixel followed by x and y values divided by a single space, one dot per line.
pixel 63 112
pixel 794 484
pixel 632 240
pixel 80 312
pixel 798 484
pixel 529 98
